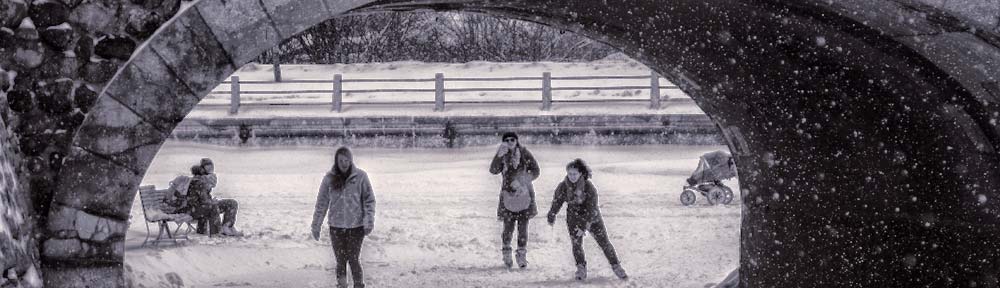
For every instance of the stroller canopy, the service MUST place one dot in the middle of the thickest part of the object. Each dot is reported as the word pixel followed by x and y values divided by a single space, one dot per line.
pixel 714 166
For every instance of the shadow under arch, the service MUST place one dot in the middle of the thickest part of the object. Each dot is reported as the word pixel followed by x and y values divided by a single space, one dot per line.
pixel 865 131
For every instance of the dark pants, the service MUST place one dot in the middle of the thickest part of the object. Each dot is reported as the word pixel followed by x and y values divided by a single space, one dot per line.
pixel 208 215
pixel 347 249
pixel 508 231
pixel 600 234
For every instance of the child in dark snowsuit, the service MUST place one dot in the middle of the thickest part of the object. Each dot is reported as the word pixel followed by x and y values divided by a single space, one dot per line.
pixel 517 196
pixel 582 215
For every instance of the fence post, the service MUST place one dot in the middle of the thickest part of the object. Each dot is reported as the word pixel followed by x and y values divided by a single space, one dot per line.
pixel 654 90
pixel 439 92
pixel 546 91
pixel 338 92
pixel 234 100
pixel 277 71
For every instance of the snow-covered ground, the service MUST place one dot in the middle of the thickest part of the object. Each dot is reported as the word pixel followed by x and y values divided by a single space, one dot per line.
pixel 614 66
pixel 436 223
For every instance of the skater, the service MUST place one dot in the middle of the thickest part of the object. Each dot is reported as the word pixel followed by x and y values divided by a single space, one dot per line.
pixel 517 196
pixel 347 194
pixel 583 215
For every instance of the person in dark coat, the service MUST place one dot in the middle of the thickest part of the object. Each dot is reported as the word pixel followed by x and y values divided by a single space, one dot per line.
pixel 582 216
pixel 226 206
pixel 518 168
pixel 201 205
pixel 347 201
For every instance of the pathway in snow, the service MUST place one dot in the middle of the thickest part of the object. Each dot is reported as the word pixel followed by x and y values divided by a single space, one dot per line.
pixel 436 223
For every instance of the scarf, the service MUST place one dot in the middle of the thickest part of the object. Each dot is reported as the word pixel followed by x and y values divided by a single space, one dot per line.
pixel 575 194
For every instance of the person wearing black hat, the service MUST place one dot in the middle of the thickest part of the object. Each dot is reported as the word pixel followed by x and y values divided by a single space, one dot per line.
pixel 518 168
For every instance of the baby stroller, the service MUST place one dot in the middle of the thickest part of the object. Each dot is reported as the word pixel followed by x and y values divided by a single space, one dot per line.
pixel 713 167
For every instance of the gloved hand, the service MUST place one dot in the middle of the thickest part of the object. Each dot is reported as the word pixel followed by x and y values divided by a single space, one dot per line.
pixel 315 232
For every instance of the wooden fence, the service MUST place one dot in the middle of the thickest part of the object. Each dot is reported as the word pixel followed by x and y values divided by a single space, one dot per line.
pixel 337 90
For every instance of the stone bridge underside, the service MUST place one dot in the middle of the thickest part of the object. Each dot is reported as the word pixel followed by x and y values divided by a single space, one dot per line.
pixel 865 131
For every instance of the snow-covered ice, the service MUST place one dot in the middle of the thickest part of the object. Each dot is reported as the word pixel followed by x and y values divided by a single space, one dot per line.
pixel 436 223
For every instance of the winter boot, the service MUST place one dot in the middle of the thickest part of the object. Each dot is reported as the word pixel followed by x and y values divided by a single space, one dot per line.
pixel 342 282
pixel 581 272
pixel 522 255
pixel 230 231
pixel 506 257
pixel 619 271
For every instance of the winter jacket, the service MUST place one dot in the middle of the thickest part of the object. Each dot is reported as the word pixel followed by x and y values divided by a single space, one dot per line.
pixel 199 191
pixel 212 179
pixel 581 210
pixel 350 207
pixel 516 190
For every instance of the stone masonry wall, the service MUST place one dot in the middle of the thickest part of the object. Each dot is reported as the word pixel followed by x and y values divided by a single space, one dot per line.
pixel 55 57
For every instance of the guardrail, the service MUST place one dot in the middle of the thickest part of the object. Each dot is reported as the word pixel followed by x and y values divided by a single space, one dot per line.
pixel 337 90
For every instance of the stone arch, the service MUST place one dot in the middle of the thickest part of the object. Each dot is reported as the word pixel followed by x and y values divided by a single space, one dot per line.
pixel 866 132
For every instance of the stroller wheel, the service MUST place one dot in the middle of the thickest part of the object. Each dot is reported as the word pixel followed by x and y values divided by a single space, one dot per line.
pixel 715 195
pixel 687 197
pixel 727 195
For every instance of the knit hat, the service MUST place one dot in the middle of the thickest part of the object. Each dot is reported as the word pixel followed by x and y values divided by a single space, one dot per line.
pixel 508 135
pixel 197 170
pixel 206 161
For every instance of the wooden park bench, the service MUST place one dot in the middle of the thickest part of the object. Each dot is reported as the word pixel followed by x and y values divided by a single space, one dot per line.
pixel 152 209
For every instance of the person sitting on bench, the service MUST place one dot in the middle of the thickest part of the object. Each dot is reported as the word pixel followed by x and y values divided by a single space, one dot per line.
pixel 206 208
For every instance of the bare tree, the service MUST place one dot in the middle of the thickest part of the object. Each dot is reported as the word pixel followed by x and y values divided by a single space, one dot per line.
pixel 433 37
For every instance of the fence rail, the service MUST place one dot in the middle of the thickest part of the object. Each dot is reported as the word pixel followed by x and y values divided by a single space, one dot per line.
pixel 439 90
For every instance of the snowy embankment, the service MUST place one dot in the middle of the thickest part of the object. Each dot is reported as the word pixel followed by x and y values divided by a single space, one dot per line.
pixel 436 223
pixel 621 66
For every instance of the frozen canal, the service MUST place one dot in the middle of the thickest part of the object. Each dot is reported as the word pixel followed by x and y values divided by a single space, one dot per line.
pixel 436 220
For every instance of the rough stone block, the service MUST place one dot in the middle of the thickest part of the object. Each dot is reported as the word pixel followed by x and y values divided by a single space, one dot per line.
pixel 80 276
pixel 116 132
pixel 49 13
pixel 26 31
pixel 7 40
pixel 94 17
pixel 141 23
pixel 190 49
pixel 115 47
pixel 294 16
pixel 61 218
pixel 99 72
pixel 12 12
pixel 54 98
pixel 147 86
pixel 59 37
pixel 84 48
pixel 84 98
pixel 20 100
pixel 62 248
pixel 29 55
pixel 243 28
pixel 99 187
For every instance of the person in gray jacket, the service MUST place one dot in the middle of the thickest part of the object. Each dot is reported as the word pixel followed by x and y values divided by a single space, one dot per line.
pixel 347 194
